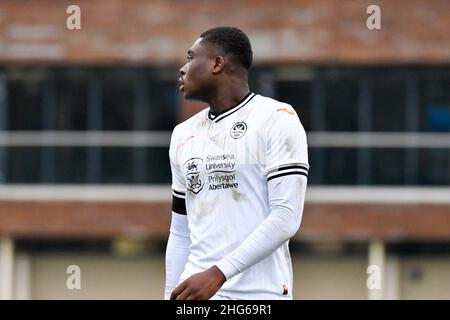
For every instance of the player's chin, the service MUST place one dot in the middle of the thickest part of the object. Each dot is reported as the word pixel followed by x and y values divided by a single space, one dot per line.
pixel 187 94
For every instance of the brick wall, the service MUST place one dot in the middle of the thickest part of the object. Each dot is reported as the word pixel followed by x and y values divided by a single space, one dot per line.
pixel 103 219
pixel 160 31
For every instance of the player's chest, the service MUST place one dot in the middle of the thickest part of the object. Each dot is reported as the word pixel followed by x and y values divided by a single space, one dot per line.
pixel 215 154
pixel 235 138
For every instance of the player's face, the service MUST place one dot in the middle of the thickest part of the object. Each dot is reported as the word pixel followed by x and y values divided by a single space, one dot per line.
pixel 195 75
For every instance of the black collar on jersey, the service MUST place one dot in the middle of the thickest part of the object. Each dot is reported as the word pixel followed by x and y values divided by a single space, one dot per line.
pixel 225 113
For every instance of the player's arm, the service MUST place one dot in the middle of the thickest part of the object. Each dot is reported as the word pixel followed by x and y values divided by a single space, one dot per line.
pixel 177 251
pixel 287 171
pixel 286 197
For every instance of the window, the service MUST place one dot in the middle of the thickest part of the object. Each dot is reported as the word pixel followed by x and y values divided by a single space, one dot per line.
pixel 334 166
pixel 342 101
pixel 435 105
pixel 117 165
pixel 388 107
pixel 435 167
pixel 388 166
pixel 24 165
pixel 70 165
pixel 162 104
pixel 25 96
pixel 158 168
pixel 341 104
pixel 117 100
pixel 71 100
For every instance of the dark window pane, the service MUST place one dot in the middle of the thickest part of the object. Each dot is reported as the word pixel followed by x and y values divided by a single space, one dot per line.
pixel 297 94
pixel 72 101
pixel 63 246
pixel 434 167
pixel 341 105
pixel 25 101
pixel 158 168
pixel 435 106
pixel 389 105
pixel 316 165
pixel 3 165
pixel 118 101
pixel 24 164
pixel 388 166
pixel 117 165
pixel 163 104
pixel 70 164
pixel 340 166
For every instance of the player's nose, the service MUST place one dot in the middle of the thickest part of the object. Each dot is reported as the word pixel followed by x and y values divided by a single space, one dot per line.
pixel 183 70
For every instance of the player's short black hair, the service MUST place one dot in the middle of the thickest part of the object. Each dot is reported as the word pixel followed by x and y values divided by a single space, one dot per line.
pixel 232 41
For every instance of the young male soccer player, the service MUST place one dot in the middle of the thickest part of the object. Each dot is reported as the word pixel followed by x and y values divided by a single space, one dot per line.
pixel 239 175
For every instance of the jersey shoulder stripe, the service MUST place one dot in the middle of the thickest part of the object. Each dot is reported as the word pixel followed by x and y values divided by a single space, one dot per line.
pixel 289 169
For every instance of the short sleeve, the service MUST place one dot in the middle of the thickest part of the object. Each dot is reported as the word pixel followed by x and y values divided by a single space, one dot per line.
pixel 178 181
pixel 286 144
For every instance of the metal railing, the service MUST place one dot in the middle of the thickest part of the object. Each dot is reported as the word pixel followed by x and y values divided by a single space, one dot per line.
pixel 162 139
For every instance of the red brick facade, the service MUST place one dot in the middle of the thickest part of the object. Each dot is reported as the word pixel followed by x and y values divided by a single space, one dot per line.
pixel 350 221
pixel 159 31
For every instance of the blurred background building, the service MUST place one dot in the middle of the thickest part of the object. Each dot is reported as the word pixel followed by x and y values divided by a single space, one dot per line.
pixel 86 117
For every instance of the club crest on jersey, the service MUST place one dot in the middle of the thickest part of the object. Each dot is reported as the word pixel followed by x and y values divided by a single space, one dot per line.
pixel 192 169
pixel 238 130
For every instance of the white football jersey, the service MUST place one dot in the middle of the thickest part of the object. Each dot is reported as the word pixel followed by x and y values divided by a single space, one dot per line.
pixel 221 165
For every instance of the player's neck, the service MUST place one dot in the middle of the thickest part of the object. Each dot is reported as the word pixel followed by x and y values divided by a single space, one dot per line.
pixel 227 97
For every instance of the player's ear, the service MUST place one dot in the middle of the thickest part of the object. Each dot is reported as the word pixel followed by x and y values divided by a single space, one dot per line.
pixel 219 63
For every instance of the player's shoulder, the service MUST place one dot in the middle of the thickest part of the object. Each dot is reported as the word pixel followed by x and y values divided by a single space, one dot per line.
pixel 185 126
pixel 270 108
